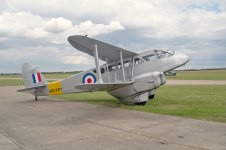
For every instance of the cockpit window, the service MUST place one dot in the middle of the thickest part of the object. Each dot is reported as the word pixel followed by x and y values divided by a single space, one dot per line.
pixel 163 53
pixel 150 57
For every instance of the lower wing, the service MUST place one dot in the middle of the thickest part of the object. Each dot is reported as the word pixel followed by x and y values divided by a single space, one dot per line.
pixel 101 86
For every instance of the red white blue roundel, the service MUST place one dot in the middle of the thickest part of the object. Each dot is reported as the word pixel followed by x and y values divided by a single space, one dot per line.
pixel 89 78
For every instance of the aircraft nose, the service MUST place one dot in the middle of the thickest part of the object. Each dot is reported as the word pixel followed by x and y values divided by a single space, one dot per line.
pixel 183 58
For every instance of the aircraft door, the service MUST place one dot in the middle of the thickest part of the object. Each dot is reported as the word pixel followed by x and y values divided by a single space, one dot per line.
pixel 128 66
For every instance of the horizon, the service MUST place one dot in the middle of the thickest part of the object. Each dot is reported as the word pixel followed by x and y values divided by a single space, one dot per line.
pixel 77 71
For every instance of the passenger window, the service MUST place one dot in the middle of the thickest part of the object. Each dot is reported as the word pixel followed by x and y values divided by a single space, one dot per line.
pixel 150 57
pixel 126 63
pixel 138 61
pixel 113 67
pixel 102 70
pixel 119 66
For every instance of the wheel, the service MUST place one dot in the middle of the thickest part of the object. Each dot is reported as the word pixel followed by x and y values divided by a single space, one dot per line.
pixel 141 103
pixel 36 98
pixel 151 96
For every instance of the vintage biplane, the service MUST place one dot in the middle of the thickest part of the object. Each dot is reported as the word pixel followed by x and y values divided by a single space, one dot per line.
pixel 130 77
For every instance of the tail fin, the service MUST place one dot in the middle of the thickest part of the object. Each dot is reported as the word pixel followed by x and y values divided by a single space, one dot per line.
pixel 32 77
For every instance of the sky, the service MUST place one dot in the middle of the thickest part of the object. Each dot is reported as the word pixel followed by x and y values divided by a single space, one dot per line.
pixel 36 31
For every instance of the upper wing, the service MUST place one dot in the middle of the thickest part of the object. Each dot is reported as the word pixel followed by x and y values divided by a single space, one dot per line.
pixel 105 50
pixel 101 86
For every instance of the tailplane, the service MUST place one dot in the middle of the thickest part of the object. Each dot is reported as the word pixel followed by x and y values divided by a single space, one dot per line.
pixel 33 80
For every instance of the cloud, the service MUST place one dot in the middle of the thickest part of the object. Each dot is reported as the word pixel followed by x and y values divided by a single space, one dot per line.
pixel 48 58
pixel 159 18
pixel 193 27
pixel 58 25
pixel 78 59
pixel 94 29
pixel 17 25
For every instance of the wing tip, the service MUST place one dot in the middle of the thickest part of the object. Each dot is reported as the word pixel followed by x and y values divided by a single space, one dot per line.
pixel 72 37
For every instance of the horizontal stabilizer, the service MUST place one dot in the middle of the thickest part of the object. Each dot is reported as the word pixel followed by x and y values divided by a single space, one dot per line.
pixel 31 88
pixel 100 86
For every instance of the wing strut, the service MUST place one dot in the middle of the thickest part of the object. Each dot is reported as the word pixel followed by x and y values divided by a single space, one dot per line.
pixel 97 64
pixel 116 71
pixel 109 80
pixel 122 66
pixel 132 68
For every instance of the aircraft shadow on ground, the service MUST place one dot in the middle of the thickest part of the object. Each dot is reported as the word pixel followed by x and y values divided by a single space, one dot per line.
pixel 108 102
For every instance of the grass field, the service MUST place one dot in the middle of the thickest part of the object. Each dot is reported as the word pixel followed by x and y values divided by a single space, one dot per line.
pixel 200 75
pixel 10 76
pixel 200 102
pixel 12 82
pixel 15 82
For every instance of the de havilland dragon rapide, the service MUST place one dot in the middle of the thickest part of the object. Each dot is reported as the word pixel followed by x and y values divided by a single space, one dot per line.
pixel 132 78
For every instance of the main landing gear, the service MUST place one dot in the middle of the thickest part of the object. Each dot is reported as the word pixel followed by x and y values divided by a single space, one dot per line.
pixel 141 103
pixel 151 96
pixel 36 98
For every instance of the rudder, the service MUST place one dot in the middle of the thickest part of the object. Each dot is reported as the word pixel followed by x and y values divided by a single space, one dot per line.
pixel 32 77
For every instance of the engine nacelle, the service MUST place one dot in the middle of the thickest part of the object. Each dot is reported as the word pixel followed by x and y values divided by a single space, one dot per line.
pixel 140 89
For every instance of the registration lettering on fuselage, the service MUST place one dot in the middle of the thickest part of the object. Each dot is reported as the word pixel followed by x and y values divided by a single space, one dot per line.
pixel 55 88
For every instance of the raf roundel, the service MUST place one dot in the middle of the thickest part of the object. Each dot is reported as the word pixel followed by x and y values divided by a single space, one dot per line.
pixel 89 78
